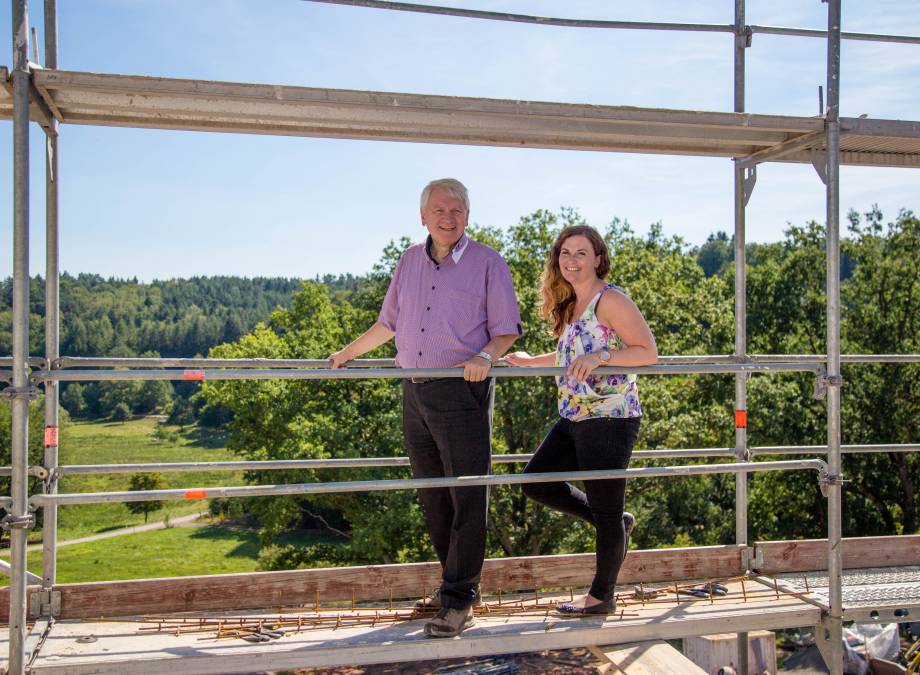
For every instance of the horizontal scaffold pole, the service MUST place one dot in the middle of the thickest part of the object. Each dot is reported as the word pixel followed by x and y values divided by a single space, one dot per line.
pixel 623 25
pixel 65 362
pixel 405 373
pixel 376 462
pixel 61 499
pixel 341 463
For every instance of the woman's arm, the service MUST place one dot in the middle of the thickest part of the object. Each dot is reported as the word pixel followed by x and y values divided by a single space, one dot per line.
pixel 617 310
pixel 526 360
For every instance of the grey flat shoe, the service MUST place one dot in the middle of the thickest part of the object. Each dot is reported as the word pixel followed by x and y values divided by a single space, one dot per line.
pixel 450 622
pixel 606 607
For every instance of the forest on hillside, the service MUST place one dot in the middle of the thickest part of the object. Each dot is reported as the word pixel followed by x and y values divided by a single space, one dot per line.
pixel 685 292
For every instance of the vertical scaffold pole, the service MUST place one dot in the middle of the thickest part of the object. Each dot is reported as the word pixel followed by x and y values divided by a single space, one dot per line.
pixel 52 313
pixel 833 622
pixel 19 480
pixel 741 479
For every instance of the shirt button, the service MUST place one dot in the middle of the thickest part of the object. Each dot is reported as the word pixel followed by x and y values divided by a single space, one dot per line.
pixel 438 267
pixel 432 288
pixel 423 330
pixel 428 309
pixel 419 353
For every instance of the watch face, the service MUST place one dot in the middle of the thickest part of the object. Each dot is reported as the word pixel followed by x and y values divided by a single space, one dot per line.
pixel 605 356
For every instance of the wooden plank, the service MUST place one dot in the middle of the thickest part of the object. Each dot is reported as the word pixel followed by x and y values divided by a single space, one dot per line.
pixel 646 658
pixel 201 105
pixel 811 554
pixel 712 652
pixel 374 582
pixel 120 647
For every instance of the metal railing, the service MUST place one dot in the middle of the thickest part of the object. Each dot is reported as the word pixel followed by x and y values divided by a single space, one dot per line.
pixel 743 181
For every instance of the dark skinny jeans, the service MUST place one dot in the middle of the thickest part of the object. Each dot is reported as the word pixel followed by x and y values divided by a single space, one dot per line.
pixel 589 445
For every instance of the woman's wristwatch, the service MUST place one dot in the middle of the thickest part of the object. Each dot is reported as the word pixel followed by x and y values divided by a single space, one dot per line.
pixel 604 356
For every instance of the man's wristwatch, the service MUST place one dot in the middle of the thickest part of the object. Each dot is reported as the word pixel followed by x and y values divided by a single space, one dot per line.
pixel 485 355
pixel 604 356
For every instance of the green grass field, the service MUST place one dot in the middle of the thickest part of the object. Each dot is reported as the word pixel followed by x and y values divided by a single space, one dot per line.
pixel 214 548
pixel 218 548
pixel 133 442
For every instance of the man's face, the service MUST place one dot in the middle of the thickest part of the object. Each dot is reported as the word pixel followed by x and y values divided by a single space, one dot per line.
pixel 445 217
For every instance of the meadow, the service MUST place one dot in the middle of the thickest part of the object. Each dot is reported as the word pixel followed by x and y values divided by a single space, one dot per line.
pixel 204 546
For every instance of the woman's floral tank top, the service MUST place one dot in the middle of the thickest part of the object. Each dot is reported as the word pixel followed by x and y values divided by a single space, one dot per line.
pixel 599 396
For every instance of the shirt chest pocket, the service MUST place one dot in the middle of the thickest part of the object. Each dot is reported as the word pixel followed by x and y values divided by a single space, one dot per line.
pixel 461 306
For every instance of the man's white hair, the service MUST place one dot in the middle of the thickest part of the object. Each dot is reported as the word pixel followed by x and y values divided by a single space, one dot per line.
pixel 451 186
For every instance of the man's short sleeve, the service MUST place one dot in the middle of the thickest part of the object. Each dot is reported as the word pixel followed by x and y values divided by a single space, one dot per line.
pixel 389 310
pixel 503 314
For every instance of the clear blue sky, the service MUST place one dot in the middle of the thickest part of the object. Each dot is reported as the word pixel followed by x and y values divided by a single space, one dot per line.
pixel 158 204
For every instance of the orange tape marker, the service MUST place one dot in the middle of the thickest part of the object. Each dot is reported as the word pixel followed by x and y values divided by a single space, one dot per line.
pixel 741 419
pixel 193 375
pixel 196 494
pixel 51 437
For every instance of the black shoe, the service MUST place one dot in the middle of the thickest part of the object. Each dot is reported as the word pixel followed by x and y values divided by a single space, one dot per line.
pixel 606 607
pixel 450 622
pixel 433 601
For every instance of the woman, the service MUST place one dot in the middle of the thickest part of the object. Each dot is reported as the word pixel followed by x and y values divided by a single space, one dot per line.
pixel 597 325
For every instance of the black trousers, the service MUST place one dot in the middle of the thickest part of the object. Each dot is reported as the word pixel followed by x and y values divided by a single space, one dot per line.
pixel 447 425
pixel 589 445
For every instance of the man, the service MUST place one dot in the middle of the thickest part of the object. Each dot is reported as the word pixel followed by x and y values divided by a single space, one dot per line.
pixel 450 303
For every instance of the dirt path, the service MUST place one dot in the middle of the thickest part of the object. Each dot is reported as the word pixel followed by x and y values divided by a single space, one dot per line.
pixel 147 527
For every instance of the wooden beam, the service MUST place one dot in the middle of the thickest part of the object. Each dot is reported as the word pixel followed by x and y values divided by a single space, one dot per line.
pixel 268 590
pixel 811 554
pixel 655 657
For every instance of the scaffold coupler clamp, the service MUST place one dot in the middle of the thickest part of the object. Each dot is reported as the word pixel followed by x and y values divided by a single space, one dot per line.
pixel 826 479
pixel 29 393
pixel 11 522
pixel 39 472
pixel 823 381
pixel 743 454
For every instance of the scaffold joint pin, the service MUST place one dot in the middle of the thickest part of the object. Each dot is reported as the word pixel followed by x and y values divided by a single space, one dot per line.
pixel 823 381
pixel 11 522
pixel 29 393
pixel 827 479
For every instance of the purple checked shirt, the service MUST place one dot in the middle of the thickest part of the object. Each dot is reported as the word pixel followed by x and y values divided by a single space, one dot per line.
pixel 445 313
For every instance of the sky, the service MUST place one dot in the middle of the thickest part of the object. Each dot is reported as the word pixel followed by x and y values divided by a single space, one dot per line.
pixel 157 204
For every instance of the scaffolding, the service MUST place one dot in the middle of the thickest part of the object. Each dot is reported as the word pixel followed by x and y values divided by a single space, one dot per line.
pixel 51 97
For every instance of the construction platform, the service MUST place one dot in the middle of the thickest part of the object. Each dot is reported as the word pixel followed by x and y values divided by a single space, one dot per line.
pixel 215 642
pixel 334 617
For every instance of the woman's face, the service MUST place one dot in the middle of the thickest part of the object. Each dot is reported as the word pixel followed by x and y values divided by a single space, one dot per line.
pixel 577 261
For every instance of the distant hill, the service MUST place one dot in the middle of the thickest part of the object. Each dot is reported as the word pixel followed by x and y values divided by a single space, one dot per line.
pixel 178 317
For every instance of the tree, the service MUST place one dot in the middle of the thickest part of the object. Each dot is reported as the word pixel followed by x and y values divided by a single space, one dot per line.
pixel 121 412
pixel 151 396
pixel 145 481
pixel 716 254
pixel 181 412
pixel 72 399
